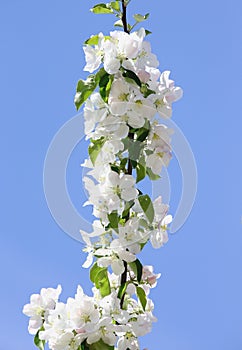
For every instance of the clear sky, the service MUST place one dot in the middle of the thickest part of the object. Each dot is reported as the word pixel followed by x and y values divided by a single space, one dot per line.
pixel 199 296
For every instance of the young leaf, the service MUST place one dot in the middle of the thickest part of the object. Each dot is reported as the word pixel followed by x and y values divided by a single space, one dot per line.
pixel 147 206
pixel 101 9
pixel 83 346
pixel 115 5
pixel 123 164
pixel 140 18
pixel 102 282
pixel 95 148
pixel 151 175
pixel 127 208
pixel 115 168
pixel 142 296
pixel 100 345
pixel 93 40
pixel 140 172
pixel 114 220
pixel 118 23
pixel 86 87
pixel 147 32
pixel 131 75
pixel 137 268
pixel 94 271
pixel 122 290
pixel 39 343
pixel 134 152
pixel 146 91
pixel 105 85
pixel 143 132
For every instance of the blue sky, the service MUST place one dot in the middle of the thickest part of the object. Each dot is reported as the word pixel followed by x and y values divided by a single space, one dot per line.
pixel 199 296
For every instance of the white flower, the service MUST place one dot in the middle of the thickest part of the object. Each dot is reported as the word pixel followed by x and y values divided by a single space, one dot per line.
pixel 128 45
pixel 114 255
pixel 159 135
pixel 95 111
pixel 83 312
pixel 166 94
pixel 58 328
pixel 130 236
pixel 39 306
pixel 93 55
pixel 105 332
pixel 159 236
pixel 111 307
pixel 119 97
pixel 161 156
pixel 128 341
pixel 98 230
pixel 149 276
pixel 93 59
pixel 160 209
pixel 111 61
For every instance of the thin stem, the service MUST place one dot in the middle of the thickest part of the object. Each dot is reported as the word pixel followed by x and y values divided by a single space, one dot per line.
pixel 131 136
pixel 124 16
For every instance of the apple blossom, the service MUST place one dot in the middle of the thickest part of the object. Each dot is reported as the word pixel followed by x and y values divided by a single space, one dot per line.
pixel 124 100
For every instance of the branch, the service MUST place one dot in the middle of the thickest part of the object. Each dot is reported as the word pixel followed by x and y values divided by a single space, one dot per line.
pixel 124 16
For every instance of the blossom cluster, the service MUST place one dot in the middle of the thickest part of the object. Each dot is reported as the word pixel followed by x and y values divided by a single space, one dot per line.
pixel 92 319
pixel 125 101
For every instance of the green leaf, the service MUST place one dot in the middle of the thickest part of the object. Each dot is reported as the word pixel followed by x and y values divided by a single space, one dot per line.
pixel 151 175
pixel 146 91
pixel 93 40
pixel 102 283
pixel 137 268
pixel 84 345
pixel 143 132
pixel 39 343
pixel 140 172
pixel 123 164
pixel 122 290
pixel 95 148
pixel 99 276
pixel 128 74
pixel 105 85
pixel 86 87
pixel 147 32
pixel 100 345
pixel 118 23
pixel 114 220
pixel 94 271
pixel 127 208
pixel 115 168
pixel 142 296
pixel 101 9
pixel 147 206
pixel 134 152
pixel 140 18
pixel 115 5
